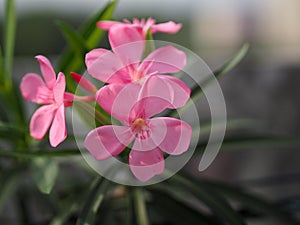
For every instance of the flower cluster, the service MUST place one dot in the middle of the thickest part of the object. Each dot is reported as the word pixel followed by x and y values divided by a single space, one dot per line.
pixel 138 87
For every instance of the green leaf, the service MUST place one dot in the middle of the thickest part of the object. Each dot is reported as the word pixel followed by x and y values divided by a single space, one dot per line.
pixel 69 208
pixel 89 114
pixel 39 154
pixel 44 172
pixel 9 38
pixel 140 207
pixel 93 201
pixel 175 206
pixel 249 141
pixel 217 204
pixel 11 132
pixel 1 67
pixel 74 39
pixel 92 35
pixel 91 32
pixel 234 61
pixel 258 204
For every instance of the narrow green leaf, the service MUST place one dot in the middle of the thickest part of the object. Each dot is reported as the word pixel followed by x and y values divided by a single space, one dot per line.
pixel 246 142
pixel 9 38
pixel 89 114
pixel 140 207
pixel 234 61
pixel 174 206
pixel 91 34
pixel 94 199
pixel 44 172
pixel 65 212
pixel 75 40
pixel 11 132
pixel 218 205
pixel 1 67
pixel 39 154
pixel 77 47
pixel 258 204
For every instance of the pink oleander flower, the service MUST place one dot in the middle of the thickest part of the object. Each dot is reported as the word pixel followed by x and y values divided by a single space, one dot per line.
pixel 150 136
pixel 50 93
pixel 168 27
pixel 124 65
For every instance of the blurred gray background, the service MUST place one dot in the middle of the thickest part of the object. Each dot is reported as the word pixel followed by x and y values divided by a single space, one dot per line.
pixel 265 86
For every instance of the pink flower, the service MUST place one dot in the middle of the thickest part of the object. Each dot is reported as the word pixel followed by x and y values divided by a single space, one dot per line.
pixel 150 136
pixel 49 92
pixel 168 27
pixel 125 65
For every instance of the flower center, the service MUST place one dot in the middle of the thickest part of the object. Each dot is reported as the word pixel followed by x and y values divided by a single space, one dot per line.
pixel 139 126
pixel 136 75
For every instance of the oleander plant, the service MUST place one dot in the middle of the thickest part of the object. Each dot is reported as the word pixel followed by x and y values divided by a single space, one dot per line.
pixel 129 96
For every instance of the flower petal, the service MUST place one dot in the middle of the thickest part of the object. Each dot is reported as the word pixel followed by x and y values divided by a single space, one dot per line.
pixel 107 141
pixel 168 27
pixel 58 131
pixel 180 92
pixel 59 88
pixel 154 97
pixel 106 67
pixel 177 138
pixel 47 71
pixel 93 55
pixel 164 60
pixel 118 100
pixel 41 120
pixel 83 82
pixel 145 165
pixel 107 24
pixel 127 43
pixel 34 89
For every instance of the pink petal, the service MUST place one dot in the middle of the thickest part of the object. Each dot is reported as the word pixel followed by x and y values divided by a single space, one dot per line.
pixel 93 55
pixel 58 131
pixel 177 138
pixel 107 67
pixel 180 92
pixel 47 71
pixel 164 60
pixel 83 82
pixel 154 97
pixel 69 96
pixel 168 27
pixel 107 141
pixel 145 165
pixel 59 88
pixel 127 43
pixel 107 24
pixel 118 100
pixel 34 89
pixel 41 120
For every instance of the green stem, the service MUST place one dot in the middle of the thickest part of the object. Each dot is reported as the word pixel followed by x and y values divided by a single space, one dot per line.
pixel 140 207
pixel 9 38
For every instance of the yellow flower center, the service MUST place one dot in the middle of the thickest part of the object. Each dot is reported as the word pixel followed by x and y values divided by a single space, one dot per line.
pixel 139 126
